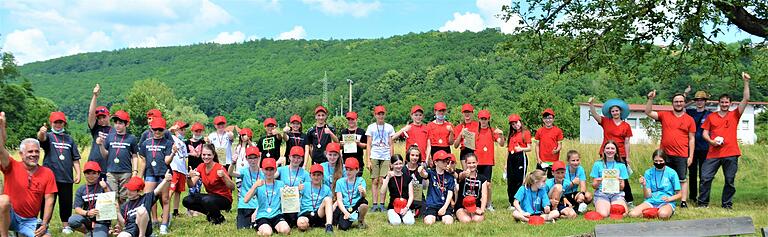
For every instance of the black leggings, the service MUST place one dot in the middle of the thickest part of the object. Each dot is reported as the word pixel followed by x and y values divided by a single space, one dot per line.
pixel 209 204
pixel 517 166
pixel 64 195
pixel 627 189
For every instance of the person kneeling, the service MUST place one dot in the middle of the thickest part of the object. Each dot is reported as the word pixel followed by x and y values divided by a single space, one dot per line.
pixel 350 200
pixel 440 191
pixel 472 187
pixel 316 203
pixel 398 211
pixel 269 217
pixel 533 196
pixel 133 216
pixel 661 187
pixel 84 219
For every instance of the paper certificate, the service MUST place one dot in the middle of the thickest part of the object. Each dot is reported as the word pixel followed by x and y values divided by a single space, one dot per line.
pixel 107 206
pixel 469 139
pixel 418 192
pixel 610 183
pixel 350 143
pixel 289 199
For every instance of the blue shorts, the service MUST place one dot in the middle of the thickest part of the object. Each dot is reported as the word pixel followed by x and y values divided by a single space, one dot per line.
pixel 612 197
pixel 154 178
pixel 661 204
pixel 22 225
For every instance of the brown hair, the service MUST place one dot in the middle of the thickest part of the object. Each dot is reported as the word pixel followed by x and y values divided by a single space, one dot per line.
pixel 533 177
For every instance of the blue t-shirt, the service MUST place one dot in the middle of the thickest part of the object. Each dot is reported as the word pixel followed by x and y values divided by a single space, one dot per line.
pixel 121 149
pixel 248 178
pixel 328 173
pixel 599 166
pixel 699 118
pixel 291 177
pixel 663 183
pixel 312 198
pixel 154 152
pixel 568 176
pixel 349 195
pixel 269 199
pixel 436 193
pixel 530 201
pixel 551 183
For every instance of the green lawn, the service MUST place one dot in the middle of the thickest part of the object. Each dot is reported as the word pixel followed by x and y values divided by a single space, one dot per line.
pixel 750 200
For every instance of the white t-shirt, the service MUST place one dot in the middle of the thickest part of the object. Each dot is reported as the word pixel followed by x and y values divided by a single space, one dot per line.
pixel 380 135
pixel 179 162
pixel 222 141
pixel 242 162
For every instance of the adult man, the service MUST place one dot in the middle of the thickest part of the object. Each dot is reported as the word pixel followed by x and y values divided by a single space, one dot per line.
pixel 720 132
pixel 27 185
pixel 699 114
pixel 677 137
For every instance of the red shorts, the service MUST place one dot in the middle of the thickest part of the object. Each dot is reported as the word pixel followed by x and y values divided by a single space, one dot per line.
pixel 178 182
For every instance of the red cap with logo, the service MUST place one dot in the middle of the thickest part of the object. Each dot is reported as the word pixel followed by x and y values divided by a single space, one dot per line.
pixel 351 115
pixel 180 124
pixel 416 108
pixel 470 203
pixel 57 116
pixel 198 126
pixel 440 155
pixel 270 121
pixel 536 220
pixel 135 184
pixel 252 150
pixel 379 109
pixel 91 165
pixel 316 168
pixel 557 165
pixel 399 203
pixel 219 120
pixel 351 163
pixel 154 113
pixel 102 110
pixel 484 114
pixel 297 151
pixel 268 163
pixel 440 106
pixel 333 147
pixel 295 118
pixel 157 122
pixel 122 115
pixel 651 213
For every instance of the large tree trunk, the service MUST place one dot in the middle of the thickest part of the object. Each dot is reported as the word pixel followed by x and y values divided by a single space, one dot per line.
pixel 743 19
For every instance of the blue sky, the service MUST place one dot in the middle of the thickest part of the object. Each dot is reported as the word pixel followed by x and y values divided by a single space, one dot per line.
pixel 37 30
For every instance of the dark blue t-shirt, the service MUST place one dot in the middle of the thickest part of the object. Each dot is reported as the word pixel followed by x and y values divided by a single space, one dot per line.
pixel 699 118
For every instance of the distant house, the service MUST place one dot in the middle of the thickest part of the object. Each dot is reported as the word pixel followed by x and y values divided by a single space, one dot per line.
pixel 591 133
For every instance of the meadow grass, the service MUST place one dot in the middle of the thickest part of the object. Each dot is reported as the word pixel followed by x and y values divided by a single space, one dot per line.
pixel 750 200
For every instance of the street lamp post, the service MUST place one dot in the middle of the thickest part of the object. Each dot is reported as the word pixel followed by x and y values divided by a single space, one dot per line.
pixel 350 94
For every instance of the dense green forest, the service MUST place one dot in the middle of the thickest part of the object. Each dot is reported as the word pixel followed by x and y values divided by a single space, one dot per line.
pixel 503 73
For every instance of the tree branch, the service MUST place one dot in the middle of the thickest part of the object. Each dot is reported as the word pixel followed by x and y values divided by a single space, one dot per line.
pixel 743 19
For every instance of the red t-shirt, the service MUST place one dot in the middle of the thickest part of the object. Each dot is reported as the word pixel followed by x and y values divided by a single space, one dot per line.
pixel 725 127
pixel 27 192
pixel 674 133
pixel 484 142
pixel 521 139
pixel 548 139
pixel 472 126
pixel 618 133
pixel 212 182
pixel 438 134
pixel 417 135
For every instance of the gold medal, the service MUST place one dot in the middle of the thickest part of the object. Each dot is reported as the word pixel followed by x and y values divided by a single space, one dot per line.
pixel 349 209
pixel 440 141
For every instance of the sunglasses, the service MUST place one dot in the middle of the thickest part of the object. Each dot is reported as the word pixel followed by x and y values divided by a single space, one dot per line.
pixel 99 111
pixel 158 129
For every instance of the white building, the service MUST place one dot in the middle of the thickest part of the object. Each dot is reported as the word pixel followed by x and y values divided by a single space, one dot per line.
pixel 591 133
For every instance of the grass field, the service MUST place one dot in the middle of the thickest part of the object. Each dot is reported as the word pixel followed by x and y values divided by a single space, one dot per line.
pixel 750 200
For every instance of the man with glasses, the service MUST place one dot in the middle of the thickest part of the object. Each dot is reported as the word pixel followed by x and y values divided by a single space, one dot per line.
pixel 27 185
pixel 677 137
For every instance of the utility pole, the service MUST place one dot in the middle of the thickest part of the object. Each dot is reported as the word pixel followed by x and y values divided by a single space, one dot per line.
pixel 341 105
pixel 325 89
pixel 350 94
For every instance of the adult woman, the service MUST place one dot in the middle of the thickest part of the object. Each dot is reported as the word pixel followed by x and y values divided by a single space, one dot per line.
pixel 217 183
pixel 616 129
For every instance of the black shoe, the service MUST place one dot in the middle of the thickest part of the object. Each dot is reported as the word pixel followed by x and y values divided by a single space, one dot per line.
pixel 728 207
pixel 329 229
pixel 684 204
pixel 702 205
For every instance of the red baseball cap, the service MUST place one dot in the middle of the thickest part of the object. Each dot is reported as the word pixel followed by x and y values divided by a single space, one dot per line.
pixel 514 118
pixel 548 111
pixel 440 155
pixel 219 120
pixel 399 203
pixel 122 115
pixel 246 131
pixel 558 165
pixel 593 216
pixel 154 113
pixel 252 150
pixel 618 209
pixel 180 124
pixel 470 203
pixel 135 184
pixel 536 220
pixel 320 108
pixel 92 165
pixel 269 121
pixel 57 116
pixel 351 115
pixel 268 163
pixel 157 122
pixel 333 147
pixel 467 108
pixel 351 163
pixel 651 213
pixel 198 126
pixel 416 108
pixel 316 168
pixel 379 109
pixel 297 151
pixel 295 118
pixel 484 114
pixel 440 106
pixel 102 110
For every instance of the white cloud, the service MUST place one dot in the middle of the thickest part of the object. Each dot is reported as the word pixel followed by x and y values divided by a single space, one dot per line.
pixel 296 33
pixel 491 11
pixel 343 7
pixel 228 38
pixel 33 45
pixel 466 22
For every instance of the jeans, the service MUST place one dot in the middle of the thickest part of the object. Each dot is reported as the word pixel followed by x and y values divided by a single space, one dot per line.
pixel 709 169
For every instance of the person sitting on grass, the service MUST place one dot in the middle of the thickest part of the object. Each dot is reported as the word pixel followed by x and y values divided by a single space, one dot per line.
pixel 555 187
pixel 532 200
pixel 400 193
pixel 316 202
pixel 661 188
pixel 133 219
pixel 440 191
pixel 604 200
pixel 269 217
pixel 576 193
pixel 350 197
pixel 293 175
pixel 473 192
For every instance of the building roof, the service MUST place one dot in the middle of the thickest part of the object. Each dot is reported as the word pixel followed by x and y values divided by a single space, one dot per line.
pixel 641 107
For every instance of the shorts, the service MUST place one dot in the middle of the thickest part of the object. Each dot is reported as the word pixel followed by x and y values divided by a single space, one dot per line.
pixel 486 170
pixel 22 225
pixel 680 165
pixel 133 229
pixel 291 218
pixel 314 221
pixel 178 182
pixel 599 195
pixel 429 211
pixel 379 168
pixel 464 152
pixel 117 181
pixel 244 218
pixel 98 229
pixel 571 197
pixel 153 178
pixel 272 222
pixel 661 204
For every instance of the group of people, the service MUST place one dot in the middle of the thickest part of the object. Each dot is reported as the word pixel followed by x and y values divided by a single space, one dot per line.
pixel 320 172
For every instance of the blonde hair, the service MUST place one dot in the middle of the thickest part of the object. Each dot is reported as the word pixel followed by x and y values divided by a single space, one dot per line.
pixel 533 177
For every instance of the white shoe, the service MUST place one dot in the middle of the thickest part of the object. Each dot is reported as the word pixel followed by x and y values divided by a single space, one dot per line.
pixel 66 230
pixel 163 230
pixel 582 207
pixel 490 208
pixel 511 208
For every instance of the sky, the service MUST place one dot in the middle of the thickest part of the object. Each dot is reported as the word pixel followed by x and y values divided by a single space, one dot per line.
pixel 36 30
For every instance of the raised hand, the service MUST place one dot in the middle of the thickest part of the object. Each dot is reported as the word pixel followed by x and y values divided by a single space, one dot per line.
pixel 96 90
pixel 44 128
pixel 652 94
pixel 745 76
pixel 103 184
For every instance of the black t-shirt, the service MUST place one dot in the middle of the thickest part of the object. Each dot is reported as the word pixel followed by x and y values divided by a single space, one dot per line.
pixel 471 187
pixel 85 198
pixel 121 147
pixel 270 146
pixel 396 185
pixel 359 137
pixel 128 210
pixel 197 146
pixel 95 154
pixel 56 147
pixel 294 139
pixel 315 138
pixel 147 134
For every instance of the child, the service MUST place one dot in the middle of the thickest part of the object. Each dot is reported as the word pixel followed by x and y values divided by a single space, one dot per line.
pixel 485 142
pixel 293 175
pixel 519 143
pixel 222 139
pixel 603 201
pixel 439 132
pixel 415 133
pixel 465 128
pixel 334 167
pixel 350 197
pixel 440 192
pixel 249 175
pixel 293 134
pixel 240 157
pixel 318 137
pixel 157 152
pixel 413 157
pixel 270 143
pixel 84 219
pixel 555 188
pixel 549 142
pixel 269 217
pixel 381 149
pixel 316 202
pixel 360 141
pixel 532 200
pixel 178 165
pixel 577 192
pixel 400 193
pixel 661 188
pixel 133 219
pixel 474 188
pixel 195 148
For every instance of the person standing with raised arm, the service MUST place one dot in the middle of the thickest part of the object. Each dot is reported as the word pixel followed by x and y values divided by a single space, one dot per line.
pixel 62 157
pixel 98 124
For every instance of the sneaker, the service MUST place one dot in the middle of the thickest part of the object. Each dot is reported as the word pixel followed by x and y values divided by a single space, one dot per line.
pixel 728 207
pixel 329 229
pixel 630 205
pixel 511 208
pixel 490 208
pixel 163 229
pixel 582 207
pixel 363 226
pixel 684 204
pixel 66 230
